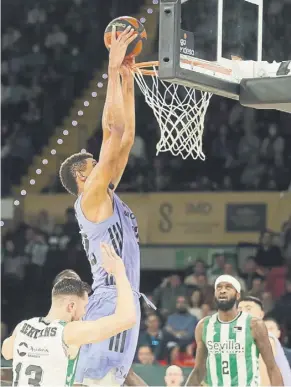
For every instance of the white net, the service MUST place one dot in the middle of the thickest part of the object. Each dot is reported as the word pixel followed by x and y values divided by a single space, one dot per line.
pixel 180 112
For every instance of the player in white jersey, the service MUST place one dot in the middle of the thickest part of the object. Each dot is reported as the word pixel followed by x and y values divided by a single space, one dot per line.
pixel 254 307
pixel 45 350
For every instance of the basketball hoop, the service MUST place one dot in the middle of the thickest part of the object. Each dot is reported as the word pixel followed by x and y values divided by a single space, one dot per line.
pixel 179 110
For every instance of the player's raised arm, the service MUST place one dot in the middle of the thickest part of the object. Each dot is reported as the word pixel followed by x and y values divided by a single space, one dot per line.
pixel 86 332
pixel 197 375
pixel 261 338
pixel 97 182
pixel 129 113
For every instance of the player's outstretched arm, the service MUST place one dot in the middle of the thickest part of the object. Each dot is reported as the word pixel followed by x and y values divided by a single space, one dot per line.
pixel 129 113
pixel 8 345
pixel 197 375
pixel 261 337
pixel 98 181
pixel 85 332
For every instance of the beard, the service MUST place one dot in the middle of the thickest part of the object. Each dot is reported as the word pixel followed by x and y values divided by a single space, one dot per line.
pixel 225 306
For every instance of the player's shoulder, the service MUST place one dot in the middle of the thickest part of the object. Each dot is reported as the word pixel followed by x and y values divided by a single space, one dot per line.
pixel 203 322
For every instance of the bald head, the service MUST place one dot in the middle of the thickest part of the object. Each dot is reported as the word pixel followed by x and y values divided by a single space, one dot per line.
pixel 174 376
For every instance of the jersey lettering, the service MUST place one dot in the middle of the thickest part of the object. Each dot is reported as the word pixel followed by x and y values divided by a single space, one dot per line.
pixel 32 370
pixel 34 333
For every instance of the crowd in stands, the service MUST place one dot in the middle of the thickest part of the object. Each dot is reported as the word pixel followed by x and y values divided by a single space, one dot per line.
pixel 32 255
pixel 50 50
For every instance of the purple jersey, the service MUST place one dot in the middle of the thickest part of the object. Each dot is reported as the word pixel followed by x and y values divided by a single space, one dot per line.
pixel 119 230
pixel 282 361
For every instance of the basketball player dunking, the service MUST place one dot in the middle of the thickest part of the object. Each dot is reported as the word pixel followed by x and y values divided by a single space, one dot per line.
pixel 254 307
pixel 102 216
pixel 229 343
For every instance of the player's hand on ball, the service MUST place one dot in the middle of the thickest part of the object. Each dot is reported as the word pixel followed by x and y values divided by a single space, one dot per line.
pixel 111 262
pixel 119 46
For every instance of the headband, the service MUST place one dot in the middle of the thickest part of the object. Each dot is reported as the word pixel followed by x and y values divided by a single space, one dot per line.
pixel 229 279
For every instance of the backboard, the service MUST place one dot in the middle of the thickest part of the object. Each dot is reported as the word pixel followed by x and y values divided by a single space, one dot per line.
pixel 201 41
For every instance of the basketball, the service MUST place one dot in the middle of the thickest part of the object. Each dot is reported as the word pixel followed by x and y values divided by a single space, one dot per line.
pixel 121 23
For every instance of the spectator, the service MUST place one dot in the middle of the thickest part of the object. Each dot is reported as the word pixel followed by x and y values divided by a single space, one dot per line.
pixel 268 255
pixel 286 240
pixel 56 38
pixel 273 147
pixel 180 326
pixel 268 302
pixel 10 37
pixel 223 147
pixel 36 15
pixel 152 336
pixel 218 267
pixel 174 376
pixel 44 222
pixel 248 146
pixel 249 272
pixel 252 174
pixel 198 268
pixel 166 294
pixel 195 304
pixel 227 184
pixel 258 287
pixel 145 356
pixel 229 270
pixel 70 227
pixel 207 290
pixel 138 151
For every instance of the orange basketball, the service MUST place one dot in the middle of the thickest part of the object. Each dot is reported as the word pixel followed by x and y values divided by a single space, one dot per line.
pixel 121 23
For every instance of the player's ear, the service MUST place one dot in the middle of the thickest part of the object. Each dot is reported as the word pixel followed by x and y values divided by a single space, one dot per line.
pixel 238 296
pixel 80 176
pixel 71 307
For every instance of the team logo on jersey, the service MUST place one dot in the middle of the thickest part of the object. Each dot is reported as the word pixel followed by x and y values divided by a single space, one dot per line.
pixel 229 346
pixel 237 329
pixel 22 350
pixel 31 351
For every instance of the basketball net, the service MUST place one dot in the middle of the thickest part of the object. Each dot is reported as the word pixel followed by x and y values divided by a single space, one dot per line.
pixel 179 110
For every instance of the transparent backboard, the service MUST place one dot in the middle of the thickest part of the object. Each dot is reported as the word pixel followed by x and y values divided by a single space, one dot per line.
pixel 215 29
pixel 200 42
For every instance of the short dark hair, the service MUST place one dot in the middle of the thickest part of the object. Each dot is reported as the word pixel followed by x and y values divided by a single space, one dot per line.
pixel 68 273
pixel 266 318
pixel 69 168
pixel 70 286
pixel 253 299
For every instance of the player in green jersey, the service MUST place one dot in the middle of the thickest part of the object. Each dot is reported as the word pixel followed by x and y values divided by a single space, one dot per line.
pixel 229 343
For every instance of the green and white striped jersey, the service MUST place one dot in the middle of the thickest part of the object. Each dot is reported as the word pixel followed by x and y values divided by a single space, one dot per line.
pixel 233 356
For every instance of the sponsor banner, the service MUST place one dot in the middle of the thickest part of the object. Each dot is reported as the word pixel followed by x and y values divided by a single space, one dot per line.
pixel 246 217
pixel 189 218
